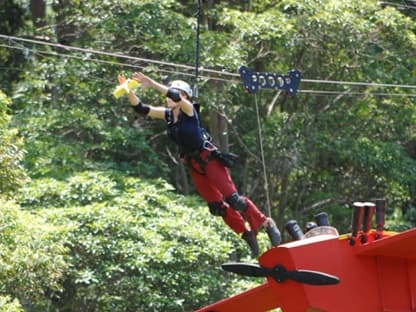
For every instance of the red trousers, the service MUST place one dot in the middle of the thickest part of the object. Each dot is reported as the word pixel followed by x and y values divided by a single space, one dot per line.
pixel 214 184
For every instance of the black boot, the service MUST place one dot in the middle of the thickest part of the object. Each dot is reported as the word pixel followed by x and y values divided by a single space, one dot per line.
pixel 251 240
pixel 273 232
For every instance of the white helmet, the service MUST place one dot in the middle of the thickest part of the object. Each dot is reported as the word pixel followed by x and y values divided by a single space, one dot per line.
pixel 182 85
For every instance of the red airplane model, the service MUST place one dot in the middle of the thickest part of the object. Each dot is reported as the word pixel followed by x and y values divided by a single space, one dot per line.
pixel 364 271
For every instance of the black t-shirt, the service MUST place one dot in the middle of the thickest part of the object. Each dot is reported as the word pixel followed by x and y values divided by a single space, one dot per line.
pixel 186 132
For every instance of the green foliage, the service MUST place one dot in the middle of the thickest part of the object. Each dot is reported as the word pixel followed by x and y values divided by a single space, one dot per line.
pixel 32 257
pixel 142 248
pixel 63 134
pixel 13 17
pixel 80 189
pixel 12 174
pixel 8 304
pixel 138 247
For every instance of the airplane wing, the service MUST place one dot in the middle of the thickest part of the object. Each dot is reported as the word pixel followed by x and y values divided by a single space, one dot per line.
pixel 400 245
pixel 259 299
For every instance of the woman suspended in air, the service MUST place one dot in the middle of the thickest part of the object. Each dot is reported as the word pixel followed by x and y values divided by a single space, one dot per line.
pixel 207 164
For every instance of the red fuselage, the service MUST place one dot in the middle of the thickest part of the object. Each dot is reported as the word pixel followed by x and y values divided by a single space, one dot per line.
pixel 379 275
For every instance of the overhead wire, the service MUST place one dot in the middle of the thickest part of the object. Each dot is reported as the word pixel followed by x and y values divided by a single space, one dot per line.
pixel 358 94
pixel 233 77
pixel 166 71
pixel 226 80
pixel 399 5
pixel 69 56
pixel 126 64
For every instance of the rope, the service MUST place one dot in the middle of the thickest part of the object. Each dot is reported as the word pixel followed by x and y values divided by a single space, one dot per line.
pixel 198 21
pixel 266 183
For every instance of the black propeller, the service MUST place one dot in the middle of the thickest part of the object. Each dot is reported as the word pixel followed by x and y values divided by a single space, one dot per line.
pixel 280 274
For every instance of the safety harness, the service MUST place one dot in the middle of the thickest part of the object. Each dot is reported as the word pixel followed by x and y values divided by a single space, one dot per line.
pixel 212 152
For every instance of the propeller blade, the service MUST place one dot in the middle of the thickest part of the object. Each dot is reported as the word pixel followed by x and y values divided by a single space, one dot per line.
pixel 247 269
pixel 312 277
pixel 280 274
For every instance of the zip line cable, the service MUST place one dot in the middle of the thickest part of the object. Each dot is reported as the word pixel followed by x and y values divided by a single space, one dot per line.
pixel 124 64
pixel 235 79
pixel 352 83
pixel 41 52
pixel 166 71
pixel 191 68
pixel 357 94
pixel 111 54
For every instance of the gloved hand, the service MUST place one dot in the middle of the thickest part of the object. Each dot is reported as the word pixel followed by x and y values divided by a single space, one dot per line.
pixel 121 78
pixel 125 85
pixel 227 159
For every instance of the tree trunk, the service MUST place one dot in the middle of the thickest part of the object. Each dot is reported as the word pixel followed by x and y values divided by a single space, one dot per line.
pixel 38 12
pixel 65 32
pixel 219 130
pixel 282 201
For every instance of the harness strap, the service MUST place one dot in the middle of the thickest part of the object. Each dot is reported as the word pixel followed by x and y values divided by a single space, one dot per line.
pixel 196 156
